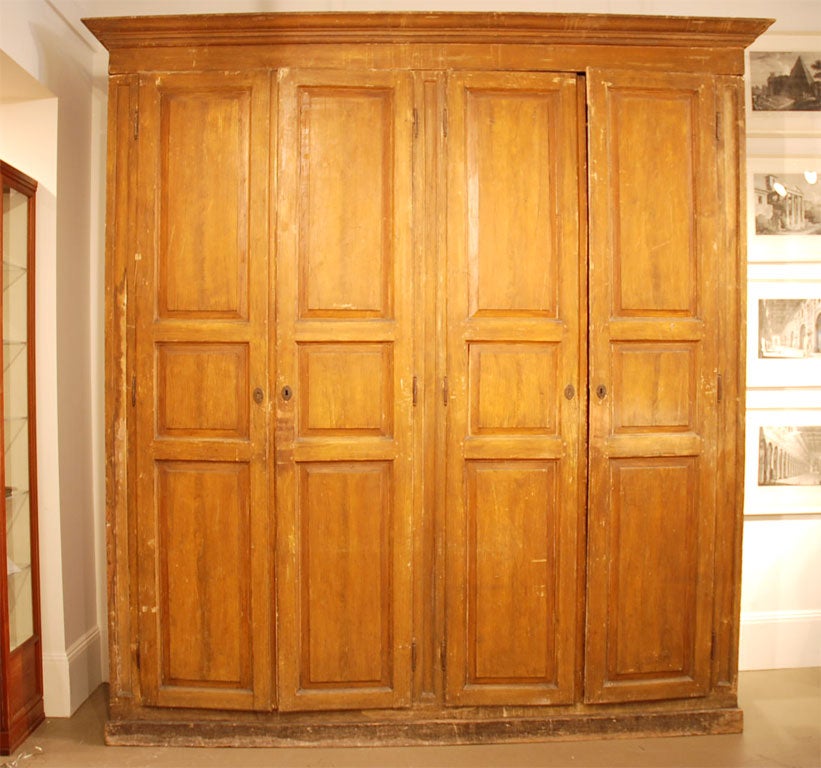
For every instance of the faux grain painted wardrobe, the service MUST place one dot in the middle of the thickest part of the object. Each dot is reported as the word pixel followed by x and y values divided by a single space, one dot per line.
pixel 425 376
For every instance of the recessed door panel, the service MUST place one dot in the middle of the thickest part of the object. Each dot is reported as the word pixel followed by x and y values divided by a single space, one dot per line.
pixel 654 171
pixel 201 489
pixel 653 379
pixel 516 394
pixel 346 199
pixel 204 557
pixel 512 545
pixel 345 556
pixel 345 329
pixel 348 389
pixel 512 388
pixel 204 146
pixel 202 390
pixel 511 178
pixel 652 588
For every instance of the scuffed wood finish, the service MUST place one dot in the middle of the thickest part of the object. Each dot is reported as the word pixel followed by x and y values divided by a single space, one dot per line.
pixel 653 377
pixel 344 354
pixel 200 440
pixel 436 40
pixel 366 282
pixel 513 448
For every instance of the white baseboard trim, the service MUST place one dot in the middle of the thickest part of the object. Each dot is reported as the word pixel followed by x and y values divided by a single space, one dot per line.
pixel 69 678
pixel 780 639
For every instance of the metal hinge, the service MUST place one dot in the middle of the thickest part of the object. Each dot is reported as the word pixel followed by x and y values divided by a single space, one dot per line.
pixel 137 657
pixel 445 122
pixel 718 126
pixel 415 122
pixel 443 655
pixel 413 656
pixel 719 388
pixel 415 391
pixel 445 391
pixel 136 122
pixel 133 390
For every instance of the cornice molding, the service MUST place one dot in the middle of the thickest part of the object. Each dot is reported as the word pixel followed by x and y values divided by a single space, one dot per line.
pixel 266 29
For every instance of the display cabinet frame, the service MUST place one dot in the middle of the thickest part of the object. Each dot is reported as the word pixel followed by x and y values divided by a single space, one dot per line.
pixel 21 668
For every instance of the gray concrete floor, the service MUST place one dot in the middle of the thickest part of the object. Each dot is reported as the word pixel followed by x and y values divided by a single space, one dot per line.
pixel 782 711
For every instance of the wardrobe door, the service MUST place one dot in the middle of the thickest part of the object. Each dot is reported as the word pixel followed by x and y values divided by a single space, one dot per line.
pixel 654 229
pixel 514 391
pixel 344 389
pixel 201 287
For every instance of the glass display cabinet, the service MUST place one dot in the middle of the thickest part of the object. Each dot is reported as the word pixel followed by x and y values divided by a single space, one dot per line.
pixel 21 675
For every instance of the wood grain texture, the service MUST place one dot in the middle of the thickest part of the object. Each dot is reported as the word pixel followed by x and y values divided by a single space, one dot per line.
pixel 344 349
pixel 431 525
pixel 201 498
pixel 516 282
pixel 653 427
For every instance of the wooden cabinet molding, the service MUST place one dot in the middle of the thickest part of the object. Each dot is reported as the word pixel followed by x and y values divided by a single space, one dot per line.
pixel 372 481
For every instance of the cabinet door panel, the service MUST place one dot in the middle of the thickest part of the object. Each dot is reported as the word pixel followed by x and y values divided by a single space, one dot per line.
pixel 653 368
pixel 201 350
pixel 345 354
pixel 513 464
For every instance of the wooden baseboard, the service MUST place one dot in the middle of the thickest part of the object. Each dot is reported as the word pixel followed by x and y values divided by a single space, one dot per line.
pixel 420 731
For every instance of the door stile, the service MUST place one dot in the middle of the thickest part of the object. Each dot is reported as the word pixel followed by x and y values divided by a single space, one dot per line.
pixel 732 367
pixel 429 181
pixel 119 354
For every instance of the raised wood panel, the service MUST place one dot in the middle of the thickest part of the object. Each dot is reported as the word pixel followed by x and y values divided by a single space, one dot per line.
pixel 204 146
pixel 513 388
pixel 513 561
pixel 656 386
pixel 348 389
pixel 510 171
pixel 344 473
pixel 204 558
pixel 653 377
pixel 654 265
pixel 513 276
pixel 202 390
pixel 346 519
pixel 652 594
pixel 346 156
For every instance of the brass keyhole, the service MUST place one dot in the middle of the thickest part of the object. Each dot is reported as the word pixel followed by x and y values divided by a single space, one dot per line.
pixel 287 393
pixel 601 391
pixel 259 395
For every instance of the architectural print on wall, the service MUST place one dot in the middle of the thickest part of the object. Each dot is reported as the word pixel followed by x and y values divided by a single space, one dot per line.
pixel 784 209
pixel 785 81
pixel 784 327
pixel 789 328
pixel 789 455
pixel 783 464
pixel 787 203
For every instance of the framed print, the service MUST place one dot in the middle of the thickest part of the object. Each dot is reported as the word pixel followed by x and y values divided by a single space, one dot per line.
pixel 784 333
pixel 784 209
pixel 783 462
pixel 784 85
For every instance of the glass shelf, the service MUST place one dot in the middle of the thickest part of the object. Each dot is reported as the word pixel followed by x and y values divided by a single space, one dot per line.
pixel 12 273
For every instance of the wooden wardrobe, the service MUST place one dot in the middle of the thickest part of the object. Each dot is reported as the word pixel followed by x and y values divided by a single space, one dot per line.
pixel 425 376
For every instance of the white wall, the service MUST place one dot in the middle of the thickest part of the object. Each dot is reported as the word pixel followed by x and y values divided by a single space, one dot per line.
pixel 47 133
pixel 781 604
